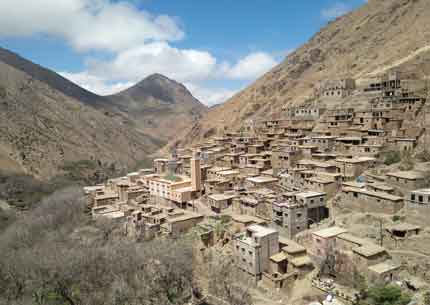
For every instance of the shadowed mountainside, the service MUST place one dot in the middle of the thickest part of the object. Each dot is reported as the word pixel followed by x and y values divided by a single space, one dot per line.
pixel 49 124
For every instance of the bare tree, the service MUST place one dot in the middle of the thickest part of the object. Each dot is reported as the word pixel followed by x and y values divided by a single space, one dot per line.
pixel 40 263
pixel 223 280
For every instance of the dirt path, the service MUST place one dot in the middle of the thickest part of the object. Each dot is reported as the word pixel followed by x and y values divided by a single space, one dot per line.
pixel 401 61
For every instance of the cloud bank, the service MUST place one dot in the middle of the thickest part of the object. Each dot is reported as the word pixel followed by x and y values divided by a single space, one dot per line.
pixel 139 42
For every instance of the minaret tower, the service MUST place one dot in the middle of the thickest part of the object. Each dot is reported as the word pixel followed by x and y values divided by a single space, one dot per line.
pixel 196 174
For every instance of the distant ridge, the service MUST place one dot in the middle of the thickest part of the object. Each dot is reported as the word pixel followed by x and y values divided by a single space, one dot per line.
pixel 49 77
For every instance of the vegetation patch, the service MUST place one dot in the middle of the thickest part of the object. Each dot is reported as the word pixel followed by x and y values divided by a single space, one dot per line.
pixel 86 172
pixel 391 157
pixel 144 163
pixel 386 295
pixel 173 178
pixel 22 191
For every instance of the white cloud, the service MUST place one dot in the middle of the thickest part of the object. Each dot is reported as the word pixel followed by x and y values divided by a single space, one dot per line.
pixel 250 67
pixel 87 24
pixel 159 57
pixel 140 44
pixel 184 65
pixel 96 84
pixel 338 9
pixel 191 67
pixel 210 96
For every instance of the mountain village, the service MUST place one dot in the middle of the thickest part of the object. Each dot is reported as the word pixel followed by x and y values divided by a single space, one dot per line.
pixel 302 197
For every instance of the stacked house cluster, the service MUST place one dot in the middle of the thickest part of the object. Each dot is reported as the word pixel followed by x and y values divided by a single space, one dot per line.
pixel 277 176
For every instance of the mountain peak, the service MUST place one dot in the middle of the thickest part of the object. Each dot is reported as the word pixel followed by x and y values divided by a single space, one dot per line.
pixel 159 87
pixel 157 76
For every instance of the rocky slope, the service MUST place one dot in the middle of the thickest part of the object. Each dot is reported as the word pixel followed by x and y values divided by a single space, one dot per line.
pixel 50 125
pixel 42 129
pixel 47 76
pixel 380 35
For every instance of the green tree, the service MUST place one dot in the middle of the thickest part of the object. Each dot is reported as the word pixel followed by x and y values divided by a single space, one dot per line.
pixel 387 295
pixel 392 157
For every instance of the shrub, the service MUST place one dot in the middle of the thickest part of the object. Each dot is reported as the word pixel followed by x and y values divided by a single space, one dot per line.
pixel 392 157
pixel 387 295
pixel 396 218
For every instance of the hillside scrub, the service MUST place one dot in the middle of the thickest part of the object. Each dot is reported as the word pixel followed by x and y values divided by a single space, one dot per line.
pixel 41 264
pixel 22 191
pixel 56 254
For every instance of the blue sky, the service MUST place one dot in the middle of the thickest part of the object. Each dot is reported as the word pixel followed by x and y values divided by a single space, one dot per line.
pixel 214 47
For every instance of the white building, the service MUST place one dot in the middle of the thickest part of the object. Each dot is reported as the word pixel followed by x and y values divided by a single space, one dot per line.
pixel 254 247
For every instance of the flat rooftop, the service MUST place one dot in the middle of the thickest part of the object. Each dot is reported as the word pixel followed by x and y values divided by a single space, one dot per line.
pixel 261 179
pixel 107 196
pixel 381 195
pixel 355 159
pixel 354 184
pixel 309 194
pixel 323 164
pixel 247 219
pixel 161 160
pixel 320 180
pixel 403 227
pixel 184 189
pixel 382 187
pixel 301 261
pixel 94 188
pixel 408 175
pixel 221 197
pixel 352 238
pixel 291 247
pixel 217 169
pixel 260 231
pixel 278 257
pixel 422 191
pixel 228 172
pixel 184 217
pixel 384 267
pixel 369 250
pixel 330 232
